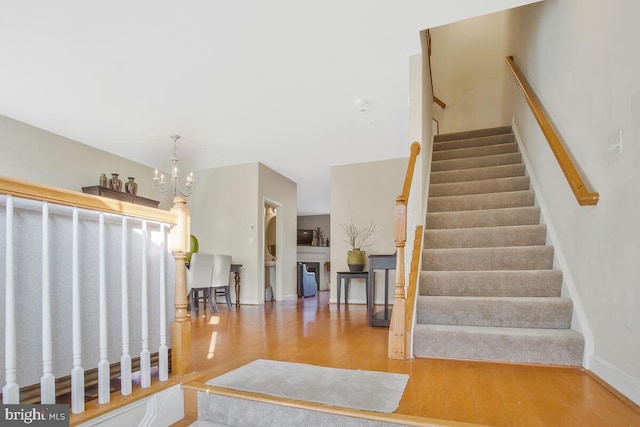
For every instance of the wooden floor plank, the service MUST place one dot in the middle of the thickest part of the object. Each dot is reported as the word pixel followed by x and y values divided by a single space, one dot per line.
pixel 311 331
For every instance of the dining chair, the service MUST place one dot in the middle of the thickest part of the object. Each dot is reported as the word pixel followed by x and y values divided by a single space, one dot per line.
pixel 199 281
pixel 220 280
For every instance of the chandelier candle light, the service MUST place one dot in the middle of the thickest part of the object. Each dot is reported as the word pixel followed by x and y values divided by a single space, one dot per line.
pixel 174 185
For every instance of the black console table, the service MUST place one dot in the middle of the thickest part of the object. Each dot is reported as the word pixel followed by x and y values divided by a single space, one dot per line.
pixel 347 276
pixel 386 263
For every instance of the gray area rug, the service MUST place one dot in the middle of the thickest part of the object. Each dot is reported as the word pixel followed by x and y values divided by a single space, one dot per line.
pixel 347 388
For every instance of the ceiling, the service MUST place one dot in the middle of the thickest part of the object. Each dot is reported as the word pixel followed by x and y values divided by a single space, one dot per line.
pixel 273 81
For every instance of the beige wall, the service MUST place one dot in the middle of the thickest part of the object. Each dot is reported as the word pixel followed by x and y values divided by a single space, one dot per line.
pixel 581 59
pixel 227 217
pixel 277 189
pixel 467 60
pixel 226 205
pixel 363 193
pixel 35 155
pixel 225 220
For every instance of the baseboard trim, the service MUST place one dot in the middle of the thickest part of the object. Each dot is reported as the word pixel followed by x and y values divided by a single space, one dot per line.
pixel 617 382
pixel 162 406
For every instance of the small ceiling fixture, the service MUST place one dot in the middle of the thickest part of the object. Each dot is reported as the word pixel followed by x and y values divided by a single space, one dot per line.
pixel 174 185
pixel 360 104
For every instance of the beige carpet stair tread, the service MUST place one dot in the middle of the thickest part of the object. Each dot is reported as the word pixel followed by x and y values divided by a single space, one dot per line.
pixel 480 141
pixel 505 312
pixel 482 259
pixel 501 283
pixel 476 162
pixel 495 185
pixel 516 235
pixel 472 133
pixel 527 215
pixel 463 175
pixel 519 345
pixel 511 199
pixel 489 150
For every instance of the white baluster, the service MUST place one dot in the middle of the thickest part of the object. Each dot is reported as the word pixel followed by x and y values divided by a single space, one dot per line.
pixel 77 373
pixel 145 355
pixel 104 378
pixel 48 380
pixel 163 351
pixel 11 390
pixel 125 359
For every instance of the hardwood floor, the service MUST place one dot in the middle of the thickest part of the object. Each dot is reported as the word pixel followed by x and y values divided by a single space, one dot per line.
pixel 312 331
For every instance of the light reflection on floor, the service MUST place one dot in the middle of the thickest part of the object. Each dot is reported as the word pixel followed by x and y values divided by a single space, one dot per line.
pixel 212 345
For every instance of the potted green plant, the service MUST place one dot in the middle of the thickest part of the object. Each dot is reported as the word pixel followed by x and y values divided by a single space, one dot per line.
pixel 358 238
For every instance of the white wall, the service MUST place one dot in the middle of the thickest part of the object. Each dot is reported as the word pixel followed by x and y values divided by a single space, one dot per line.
pixel 227 217
pixel 35 155
pixel 581 58
pixel 467 60
pixel 363 192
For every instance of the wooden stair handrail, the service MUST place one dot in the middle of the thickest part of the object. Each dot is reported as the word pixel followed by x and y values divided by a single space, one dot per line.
pixel 178 217
pixel 580 191
pixel 59 196
pixel 435 98
pixel 406 188
pixel 398 335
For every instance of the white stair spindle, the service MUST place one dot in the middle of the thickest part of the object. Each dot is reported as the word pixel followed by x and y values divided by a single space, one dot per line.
pixel 11 390
pixel 125 359
pixel 48 380
pixel 145 355
pixel 163 351
pixel 104 379
pixel 77 373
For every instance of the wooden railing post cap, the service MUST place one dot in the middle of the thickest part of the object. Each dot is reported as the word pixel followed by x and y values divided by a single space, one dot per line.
pixel 415 148
pixel 179 200
pixel 401 200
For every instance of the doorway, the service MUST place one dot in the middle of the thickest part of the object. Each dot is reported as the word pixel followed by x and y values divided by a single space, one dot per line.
pixel 272 237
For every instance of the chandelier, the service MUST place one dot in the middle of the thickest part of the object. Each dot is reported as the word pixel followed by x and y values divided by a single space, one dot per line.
pixel 174 185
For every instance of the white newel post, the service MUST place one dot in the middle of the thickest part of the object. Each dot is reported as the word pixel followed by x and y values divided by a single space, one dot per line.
pixel 77 373
pixel 104 377
pixel 11 390
pixel 145 354
pixel 163 351
pixel 48 380
pixel 125 359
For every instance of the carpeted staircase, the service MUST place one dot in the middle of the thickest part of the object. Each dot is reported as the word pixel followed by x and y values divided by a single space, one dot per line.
pixel 488 290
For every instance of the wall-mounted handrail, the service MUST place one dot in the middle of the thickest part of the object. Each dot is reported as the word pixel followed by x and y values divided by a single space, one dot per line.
pixel 435 98
pixel 581 192
pixel 398 334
